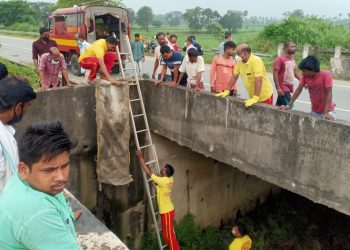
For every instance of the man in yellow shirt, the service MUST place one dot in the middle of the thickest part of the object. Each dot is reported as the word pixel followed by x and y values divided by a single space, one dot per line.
pixel 253 72
pixel 242 241
pixel 166 207
pixel 100 54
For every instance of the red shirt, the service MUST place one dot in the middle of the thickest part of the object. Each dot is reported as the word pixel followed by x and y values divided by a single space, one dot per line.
pixel 39 48
pixel 317 90
pixel 51 70
pixel 285 66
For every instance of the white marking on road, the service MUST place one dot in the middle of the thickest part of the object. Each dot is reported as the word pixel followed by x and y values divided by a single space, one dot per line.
pixel 345 110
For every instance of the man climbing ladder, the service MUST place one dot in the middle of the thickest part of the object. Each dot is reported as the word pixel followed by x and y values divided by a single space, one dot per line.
pixel 165 205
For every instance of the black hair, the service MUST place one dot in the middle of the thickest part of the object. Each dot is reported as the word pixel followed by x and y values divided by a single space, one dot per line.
pixel 310 63
pixel 173 35
pixel 169 170
pixel 190 38
pixel 286 44
pixel 229 45
pixel 43 30
pixel 160 34
pixel 137 35
pixel 13 91
pixel 242 228
pixel 111 40
pixel 192 52
pixel 165 49
pixel 227 34
pixel 193 37
pixel 247 49
pixel 46 139
pixel 3 71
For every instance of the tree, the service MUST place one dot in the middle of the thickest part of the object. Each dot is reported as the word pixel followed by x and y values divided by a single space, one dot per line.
pixel 209 16
pixel 193 17
pixel 156 23
pixel 144 17
pixel 132 15
pixel 16 11
pixel 233 20
pixel 173 18
pixel 295 13
pixel 216 30
pixel 71 3
pixel 42 10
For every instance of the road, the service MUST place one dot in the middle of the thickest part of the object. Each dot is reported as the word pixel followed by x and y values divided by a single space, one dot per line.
pixel 19 50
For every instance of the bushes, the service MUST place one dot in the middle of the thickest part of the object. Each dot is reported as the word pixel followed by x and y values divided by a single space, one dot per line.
pixel 23 27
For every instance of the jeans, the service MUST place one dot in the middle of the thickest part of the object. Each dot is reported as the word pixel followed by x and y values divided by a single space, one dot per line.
pixel 139 67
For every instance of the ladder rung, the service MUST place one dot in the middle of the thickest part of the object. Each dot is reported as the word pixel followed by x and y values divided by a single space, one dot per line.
pixel 150 162
pixel 124 53
pixel 128 69
pixel 164 246
pixel 146 146
pixel 154 196
pixel 138 115
pixel 133 84
pixel 135 100
pixel 143 130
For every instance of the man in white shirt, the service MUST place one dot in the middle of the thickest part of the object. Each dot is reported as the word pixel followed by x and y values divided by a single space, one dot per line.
pixel 193 65
pixel 157 68
pixel 15 98
pixel 228 37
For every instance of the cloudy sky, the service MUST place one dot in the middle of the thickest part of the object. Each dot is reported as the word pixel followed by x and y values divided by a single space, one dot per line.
pixel 268 8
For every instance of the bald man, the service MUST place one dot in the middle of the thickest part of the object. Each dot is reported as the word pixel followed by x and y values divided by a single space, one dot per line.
pixel 252 70
pixel 51 64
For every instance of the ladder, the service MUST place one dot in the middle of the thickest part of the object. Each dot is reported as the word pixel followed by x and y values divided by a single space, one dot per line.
pixel 136 102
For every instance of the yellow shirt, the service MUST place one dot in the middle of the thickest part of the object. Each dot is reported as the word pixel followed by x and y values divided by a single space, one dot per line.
pixel 249 71
pixel 164 185
pixel 98 50
pixel 244 243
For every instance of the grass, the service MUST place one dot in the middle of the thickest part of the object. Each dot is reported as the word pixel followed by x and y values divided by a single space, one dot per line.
pixel 27 72
pixel 5 33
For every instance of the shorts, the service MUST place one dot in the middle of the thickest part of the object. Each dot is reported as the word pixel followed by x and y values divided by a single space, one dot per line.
pixel 283 100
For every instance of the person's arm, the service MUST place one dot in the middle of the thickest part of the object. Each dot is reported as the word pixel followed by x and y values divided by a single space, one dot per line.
pixel 155 66
pixel 145 168
pixel 328 104
pixel 35 57
pixel 176 73
pixel 294 97
pixel 179 80
pixel 162 74
pixel 41 75
pixel 143 52
pixel 66 78
pixel 213 74
pixel 105 71
pixel 297 74
pixel 277 85
pixel 199 77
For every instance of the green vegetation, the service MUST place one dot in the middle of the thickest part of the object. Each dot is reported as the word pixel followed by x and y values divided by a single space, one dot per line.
pixel 27 72
pixel 285 222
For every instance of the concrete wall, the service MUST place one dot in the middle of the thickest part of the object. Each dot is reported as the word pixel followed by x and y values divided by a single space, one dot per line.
pixel 293 150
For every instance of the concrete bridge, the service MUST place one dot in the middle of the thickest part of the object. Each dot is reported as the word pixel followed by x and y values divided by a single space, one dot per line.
pixel 258 150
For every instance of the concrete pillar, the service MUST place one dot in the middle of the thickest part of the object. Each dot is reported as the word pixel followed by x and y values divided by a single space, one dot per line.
pixel 336 62
pixel 306 50
pixel 280 49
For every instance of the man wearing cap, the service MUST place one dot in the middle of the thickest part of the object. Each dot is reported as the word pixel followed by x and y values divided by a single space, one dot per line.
pixel 42 46
pixel 15 98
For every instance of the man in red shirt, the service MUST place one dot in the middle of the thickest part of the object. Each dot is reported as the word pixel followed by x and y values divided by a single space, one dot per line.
pixel 42 46
pixel 319 84
pixel 173 42
pixel 284 72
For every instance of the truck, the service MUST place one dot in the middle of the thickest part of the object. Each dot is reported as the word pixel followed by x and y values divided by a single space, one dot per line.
pixel 94 22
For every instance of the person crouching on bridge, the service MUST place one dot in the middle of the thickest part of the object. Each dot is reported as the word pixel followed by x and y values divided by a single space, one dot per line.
pixel 252 69
pixel 165 205
pixel 50 66
pixel 319 84
pixel 242 241
pixel 100 54
pixel 34 213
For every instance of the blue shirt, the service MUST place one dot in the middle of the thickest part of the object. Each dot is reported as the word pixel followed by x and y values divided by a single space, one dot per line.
pixel 31 219
pixel 175 59
pixel 138 50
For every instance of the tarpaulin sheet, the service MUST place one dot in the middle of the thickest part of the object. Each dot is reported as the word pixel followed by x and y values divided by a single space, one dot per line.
pixel 113 133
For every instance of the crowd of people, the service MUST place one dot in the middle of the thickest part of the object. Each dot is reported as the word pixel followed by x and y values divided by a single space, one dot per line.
pixel 34 171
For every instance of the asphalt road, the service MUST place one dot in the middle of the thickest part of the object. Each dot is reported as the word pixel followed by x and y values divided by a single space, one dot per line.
pixel 19 50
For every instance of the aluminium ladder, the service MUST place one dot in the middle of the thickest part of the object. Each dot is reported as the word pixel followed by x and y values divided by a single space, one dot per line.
pixel 136 102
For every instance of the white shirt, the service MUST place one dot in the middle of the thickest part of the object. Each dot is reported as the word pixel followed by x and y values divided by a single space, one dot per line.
pixel 192 69
pixel 158 55
pixel 9 160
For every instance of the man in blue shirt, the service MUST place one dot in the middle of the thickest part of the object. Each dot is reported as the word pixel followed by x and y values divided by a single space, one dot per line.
pixel 172 60
pixel 34 213
pixel 138 52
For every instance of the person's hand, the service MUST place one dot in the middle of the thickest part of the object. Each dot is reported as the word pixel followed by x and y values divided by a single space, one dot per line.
pixel 77 214
pixel 159 82
pixel 153 76
pixel 71 84
pixel 250 102
pixel 280 92
pixel 113 81
pixel 235 92
pixel 139 154
pixel 224 93
pixel 143 59
pixel 328 117
pixel 212 89
pixel 283 107
pixel 173 84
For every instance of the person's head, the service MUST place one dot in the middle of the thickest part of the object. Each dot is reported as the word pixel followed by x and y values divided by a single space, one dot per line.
pixel 161 38
pixel 167 171
pixel 228 36
pixel 229 48
pixel 244 52
pixel 44 157
pixel 55 55
pixel 15 97
pixel 81 37
pixel 44 34
pixel 167 34
pixel 192 55
pixel 166 52
pixel 289 47
pixel 111 43
pixel 239 230
pixel 137 37
pixel 173 38
pixel 3 71
pixel 310 66
pixel 189 40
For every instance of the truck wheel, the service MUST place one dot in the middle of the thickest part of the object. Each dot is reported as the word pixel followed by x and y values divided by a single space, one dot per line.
pixel 74 65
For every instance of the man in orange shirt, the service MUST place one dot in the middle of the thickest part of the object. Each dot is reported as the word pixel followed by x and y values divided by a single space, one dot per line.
pixel 166 207
pixel 222 70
